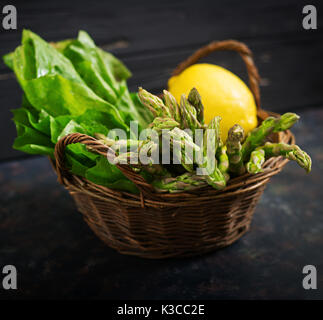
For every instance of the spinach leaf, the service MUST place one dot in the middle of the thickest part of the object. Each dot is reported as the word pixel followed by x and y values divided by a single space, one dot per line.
pixel 73 86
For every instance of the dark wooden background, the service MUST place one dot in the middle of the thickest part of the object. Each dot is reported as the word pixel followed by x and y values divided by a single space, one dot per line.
pixel 152 37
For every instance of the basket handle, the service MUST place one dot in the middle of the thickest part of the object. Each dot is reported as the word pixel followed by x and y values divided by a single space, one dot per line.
pixel 93 144
pixel 231 45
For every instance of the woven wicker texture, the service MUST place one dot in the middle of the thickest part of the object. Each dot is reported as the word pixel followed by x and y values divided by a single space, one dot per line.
pixel 159 225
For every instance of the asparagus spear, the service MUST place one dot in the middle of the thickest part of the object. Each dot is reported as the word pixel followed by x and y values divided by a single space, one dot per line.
pixel 213 175
pixel 156 170
pixel 128 151
pixel 153 169
pixel 121 144
pixel 286 121
pixel 223 161
pixel 212 132
pixel 234 149
pixel 189 115
pixel 154 104
pixel 183 147
pixel 189 181
pixel 195 99
pixel 173 106
pixel 216 179
pixel 160 124
pixel 256 161
pixel 132 157
pixel 126 158
pixel 184 182
pixel 146 149
pixel 291 152
pixel 258 135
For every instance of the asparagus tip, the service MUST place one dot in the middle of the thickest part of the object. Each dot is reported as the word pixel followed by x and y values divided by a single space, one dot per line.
pixel 236 133
pixel 286 121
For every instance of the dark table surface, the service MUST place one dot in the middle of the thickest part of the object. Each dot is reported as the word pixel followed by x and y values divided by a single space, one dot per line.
pixel 43 235
pixel 58 256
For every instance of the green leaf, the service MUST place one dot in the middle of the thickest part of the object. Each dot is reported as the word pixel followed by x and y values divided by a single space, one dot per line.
pixel 95 81
pixel 61 45
pixel 50 81
pixel 31 119
pixel 119 70
pixel 70 127
pixel 73 86
pixel 36 58
pixel 105 75
pixel 32 141
pixel 79 152
pixel 109 175
pixel 96 168
pixel 79 52
pixel 8 60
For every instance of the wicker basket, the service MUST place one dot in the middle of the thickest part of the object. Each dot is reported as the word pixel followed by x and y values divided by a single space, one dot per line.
pixel 154 225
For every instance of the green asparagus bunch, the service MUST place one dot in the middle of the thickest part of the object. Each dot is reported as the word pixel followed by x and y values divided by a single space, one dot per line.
pixel 213 159
pixel 174 118
pixel 189 114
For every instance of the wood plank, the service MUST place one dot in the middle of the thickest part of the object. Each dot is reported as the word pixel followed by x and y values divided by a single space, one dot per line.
pixel 151 25
pixel 290 71
pixel 153 37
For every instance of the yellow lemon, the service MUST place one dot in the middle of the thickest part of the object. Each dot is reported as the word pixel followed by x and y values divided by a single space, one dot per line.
pixel 223 94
